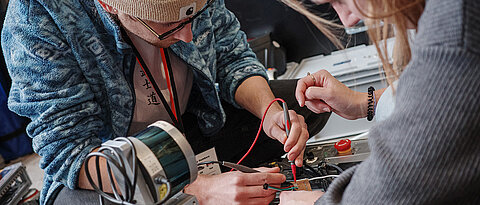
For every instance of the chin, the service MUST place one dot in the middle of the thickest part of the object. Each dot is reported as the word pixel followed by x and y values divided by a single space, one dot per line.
pixel 163 44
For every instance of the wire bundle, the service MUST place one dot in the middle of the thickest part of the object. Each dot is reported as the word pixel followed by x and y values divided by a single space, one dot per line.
pixel 117 159
pixel 289 188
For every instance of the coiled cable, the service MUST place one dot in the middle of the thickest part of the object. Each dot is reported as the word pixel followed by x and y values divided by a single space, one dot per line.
pixel 118 161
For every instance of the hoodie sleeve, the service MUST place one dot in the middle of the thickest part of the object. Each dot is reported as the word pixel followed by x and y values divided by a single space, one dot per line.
pixel 235 60
pixel 49 88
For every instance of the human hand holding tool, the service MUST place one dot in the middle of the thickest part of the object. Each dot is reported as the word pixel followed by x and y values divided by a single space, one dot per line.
pixel 237 187
pixel 274 123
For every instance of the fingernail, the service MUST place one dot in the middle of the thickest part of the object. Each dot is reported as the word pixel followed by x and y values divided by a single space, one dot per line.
pixel 326 109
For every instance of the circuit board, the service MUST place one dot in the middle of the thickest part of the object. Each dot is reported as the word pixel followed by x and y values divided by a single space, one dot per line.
pixel 302 185
pixel 320 162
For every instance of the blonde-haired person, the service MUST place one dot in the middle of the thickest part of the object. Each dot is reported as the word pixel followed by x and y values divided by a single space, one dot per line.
pixel 427 150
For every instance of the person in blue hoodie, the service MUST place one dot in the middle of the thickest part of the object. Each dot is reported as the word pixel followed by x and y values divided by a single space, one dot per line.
pixel 86 71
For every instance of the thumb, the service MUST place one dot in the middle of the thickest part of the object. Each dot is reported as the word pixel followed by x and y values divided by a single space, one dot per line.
pixel 268 170
pixel 317 93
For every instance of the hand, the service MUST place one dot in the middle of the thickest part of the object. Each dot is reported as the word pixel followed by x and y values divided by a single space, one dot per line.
pixel 299 197
pixel 294 144
pixel 327 94
pixel 236 187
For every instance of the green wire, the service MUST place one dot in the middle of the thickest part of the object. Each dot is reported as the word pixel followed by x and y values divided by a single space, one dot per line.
pixel 287 189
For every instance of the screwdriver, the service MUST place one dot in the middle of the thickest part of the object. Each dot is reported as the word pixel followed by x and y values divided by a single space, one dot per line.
pixel 288 125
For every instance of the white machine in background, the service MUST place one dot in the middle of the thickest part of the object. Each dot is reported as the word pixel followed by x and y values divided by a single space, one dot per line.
pixel 358 68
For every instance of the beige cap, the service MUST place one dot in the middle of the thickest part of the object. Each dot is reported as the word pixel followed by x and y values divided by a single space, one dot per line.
pixel 158 10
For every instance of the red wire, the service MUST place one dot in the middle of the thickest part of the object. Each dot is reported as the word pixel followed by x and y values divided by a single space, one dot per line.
pixel 284 187
pixel 294 172
pixel 167 77
pixel 259 129
pixel 29 197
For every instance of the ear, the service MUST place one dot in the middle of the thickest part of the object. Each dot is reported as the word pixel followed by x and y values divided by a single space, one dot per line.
pixel 108 8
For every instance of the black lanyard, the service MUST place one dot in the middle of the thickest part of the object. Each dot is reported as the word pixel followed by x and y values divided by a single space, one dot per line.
pixel 177 121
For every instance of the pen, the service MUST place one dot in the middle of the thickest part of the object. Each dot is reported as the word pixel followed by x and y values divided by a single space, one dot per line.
pixel 287 130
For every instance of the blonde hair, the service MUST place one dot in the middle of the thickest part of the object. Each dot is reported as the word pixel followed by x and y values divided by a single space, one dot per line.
pixel 384 18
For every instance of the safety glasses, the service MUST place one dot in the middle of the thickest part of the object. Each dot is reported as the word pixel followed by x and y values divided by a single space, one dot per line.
pixel 180 26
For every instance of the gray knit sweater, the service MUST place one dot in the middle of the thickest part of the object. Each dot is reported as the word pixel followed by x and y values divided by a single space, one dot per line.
pixel 428 151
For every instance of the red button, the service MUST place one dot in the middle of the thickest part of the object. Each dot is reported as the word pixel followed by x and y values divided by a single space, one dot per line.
pixel 343 145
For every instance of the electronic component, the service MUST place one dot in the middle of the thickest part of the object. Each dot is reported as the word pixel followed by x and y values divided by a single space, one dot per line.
pixel 14 184
pixel 303 185
pixel 322 163
pixel 343 147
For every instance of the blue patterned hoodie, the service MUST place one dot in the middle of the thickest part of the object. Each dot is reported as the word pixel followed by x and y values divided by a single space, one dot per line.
pixel 71 74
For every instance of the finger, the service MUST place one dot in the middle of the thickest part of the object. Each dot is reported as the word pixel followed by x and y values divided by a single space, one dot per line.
pixel 277 131
pixel 302 85
pixel 285 194
pixel 250 192
pixel 299 146
pixel 318 93
pixel 305 197
pixel 268 169
pixel 295 131
pixel 299 160
pixel 286 197
pixel 261 200
pixel 259 178
pixel 317 106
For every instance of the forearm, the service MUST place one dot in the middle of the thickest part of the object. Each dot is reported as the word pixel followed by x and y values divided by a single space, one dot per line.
pixel 254 95
pixel 83 182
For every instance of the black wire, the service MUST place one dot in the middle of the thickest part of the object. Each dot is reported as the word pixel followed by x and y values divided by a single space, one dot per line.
pixel 114 159
pixel 99 176
pixel 112 185
pixel 92 183
pixel 312 170
pixel 232 165
pixel 209 162
pixel 340 170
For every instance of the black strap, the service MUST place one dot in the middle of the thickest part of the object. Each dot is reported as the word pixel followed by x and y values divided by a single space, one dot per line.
pixel 174 88
pixel 177 123
pixel 371 103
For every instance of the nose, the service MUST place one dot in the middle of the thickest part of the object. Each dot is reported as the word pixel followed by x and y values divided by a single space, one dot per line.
pixel 185 34
pixel 347 17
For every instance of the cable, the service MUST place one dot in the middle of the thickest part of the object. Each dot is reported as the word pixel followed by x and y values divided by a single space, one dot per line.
pixel 238 167
pixel 322 177
pixel 92 183
pixel 259 129
pixel 118 160
pixel 314 172
pixel 340 170
pixel 293 188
